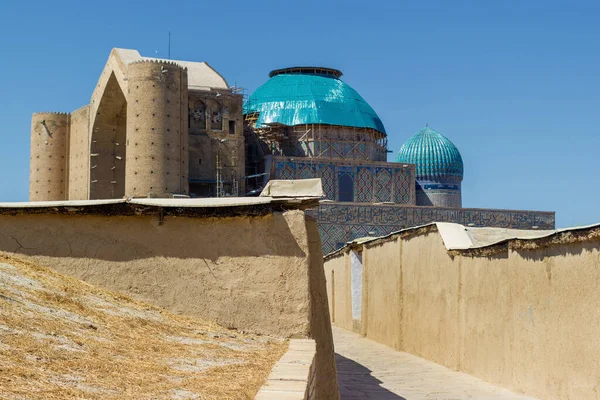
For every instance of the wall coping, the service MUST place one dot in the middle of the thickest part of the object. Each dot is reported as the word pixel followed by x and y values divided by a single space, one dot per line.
pixel 290 377
pixel 459 239
pixel 205 207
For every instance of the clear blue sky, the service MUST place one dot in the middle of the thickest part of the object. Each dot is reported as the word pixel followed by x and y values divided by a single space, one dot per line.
pixel 514 84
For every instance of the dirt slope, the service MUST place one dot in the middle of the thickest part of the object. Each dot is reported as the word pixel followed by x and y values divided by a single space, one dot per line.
pixel 61 338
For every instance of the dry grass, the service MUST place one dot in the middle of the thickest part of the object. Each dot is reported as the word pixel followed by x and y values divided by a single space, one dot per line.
pixel 62 338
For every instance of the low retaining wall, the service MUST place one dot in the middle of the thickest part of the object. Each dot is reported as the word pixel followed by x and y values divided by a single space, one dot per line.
pixel 260 273
pixel 523 314
pixel 293 377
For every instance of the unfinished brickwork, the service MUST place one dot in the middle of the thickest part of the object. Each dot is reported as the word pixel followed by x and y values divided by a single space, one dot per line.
pixel 48 178
pixel 132 140
pixel 79 159
pixel 216 140
pixel 156 132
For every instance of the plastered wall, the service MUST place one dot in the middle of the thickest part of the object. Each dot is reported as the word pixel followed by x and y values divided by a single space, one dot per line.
pixel 430 299
pixel 262 274
pixel 339 292
pixel 546 308
pixel 382 312
pixel 523 319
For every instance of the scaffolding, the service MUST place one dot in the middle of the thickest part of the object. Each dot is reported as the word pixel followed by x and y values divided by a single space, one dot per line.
pixel 219 174
pixel 316 141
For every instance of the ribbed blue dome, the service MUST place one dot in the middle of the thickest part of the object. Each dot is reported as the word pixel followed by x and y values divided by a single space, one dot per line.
pixel 435 156
pixel 310 95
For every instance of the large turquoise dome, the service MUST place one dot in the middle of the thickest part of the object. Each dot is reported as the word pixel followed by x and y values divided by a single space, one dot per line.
pixel 436 158
pixel 310 95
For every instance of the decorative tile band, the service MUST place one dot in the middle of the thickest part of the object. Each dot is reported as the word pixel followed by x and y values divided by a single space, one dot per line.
pixel 340 223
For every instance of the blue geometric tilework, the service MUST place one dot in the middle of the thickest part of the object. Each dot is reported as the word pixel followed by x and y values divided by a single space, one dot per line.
pixel 323 149
pixel 372 182
pixel 364 185
pixel 348 147
pixel 305 171
pixel 327 175
pixel 359 151
pixel 286 171
pixel 341 223
pixel 337 150
pixel 402 183
pixel 383 184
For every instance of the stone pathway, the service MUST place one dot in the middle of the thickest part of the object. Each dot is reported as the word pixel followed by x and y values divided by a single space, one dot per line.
pixel 369 370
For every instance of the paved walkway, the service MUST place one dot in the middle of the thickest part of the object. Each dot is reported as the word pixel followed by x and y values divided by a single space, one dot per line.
pixel 369 370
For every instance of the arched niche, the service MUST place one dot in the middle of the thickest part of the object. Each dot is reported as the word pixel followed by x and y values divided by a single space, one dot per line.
pixel 345 188
pixel 108 144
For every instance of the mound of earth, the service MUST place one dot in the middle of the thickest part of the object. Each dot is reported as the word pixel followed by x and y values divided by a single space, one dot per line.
pixel 63 338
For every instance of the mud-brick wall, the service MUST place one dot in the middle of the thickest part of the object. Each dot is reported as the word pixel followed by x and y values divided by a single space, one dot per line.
pixel 157 130
pixel 48 169
pixel 261 274
pixel 79 154
pixel 524 316
pixel 216 128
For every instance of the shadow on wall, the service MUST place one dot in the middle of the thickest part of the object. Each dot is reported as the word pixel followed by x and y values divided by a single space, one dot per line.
pixel 356 382
pixel 127 238
pixel 261 274
pixel 241 272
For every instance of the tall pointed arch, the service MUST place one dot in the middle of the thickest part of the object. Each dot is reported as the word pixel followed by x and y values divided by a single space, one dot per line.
pixel 108 143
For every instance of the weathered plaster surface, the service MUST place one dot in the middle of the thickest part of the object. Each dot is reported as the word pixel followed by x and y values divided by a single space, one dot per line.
pixel 260 274
pixel 525 319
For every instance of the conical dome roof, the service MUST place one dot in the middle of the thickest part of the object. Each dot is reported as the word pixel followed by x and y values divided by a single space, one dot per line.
pixel 434 155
